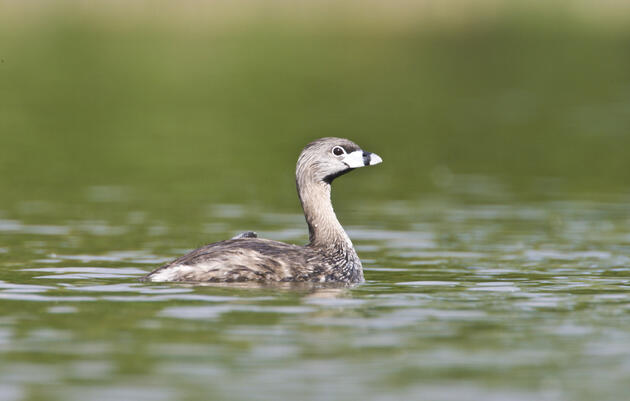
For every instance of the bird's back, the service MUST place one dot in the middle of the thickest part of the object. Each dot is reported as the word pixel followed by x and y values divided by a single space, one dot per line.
pixel 248 259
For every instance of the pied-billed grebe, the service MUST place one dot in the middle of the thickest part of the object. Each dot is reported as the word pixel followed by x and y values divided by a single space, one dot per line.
pixel 328 257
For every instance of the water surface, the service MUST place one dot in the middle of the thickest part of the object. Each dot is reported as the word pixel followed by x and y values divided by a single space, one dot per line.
pixel 463 301
pixel 495 236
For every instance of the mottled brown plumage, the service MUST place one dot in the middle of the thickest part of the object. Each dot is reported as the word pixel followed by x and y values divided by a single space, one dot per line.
pixel 328 257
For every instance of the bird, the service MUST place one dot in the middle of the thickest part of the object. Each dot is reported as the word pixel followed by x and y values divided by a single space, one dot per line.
pixel 328 257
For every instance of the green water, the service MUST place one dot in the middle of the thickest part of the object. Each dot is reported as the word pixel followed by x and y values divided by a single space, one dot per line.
pixel 495 236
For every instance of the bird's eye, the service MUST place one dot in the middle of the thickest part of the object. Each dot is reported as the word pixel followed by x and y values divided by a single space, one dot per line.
pixel 338 151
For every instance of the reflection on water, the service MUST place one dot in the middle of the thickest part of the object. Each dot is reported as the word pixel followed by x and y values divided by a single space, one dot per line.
pixel 464 301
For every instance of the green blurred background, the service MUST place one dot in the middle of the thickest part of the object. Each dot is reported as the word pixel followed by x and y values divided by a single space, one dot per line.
pixel 131 131
pixel 186 103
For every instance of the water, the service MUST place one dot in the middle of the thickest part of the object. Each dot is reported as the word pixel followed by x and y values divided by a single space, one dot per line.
pixel 464 300
pixel 495 235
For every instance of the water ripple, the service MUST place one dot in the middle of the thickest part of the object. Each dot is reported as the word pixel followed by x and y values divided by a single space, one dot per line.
pixel 458 295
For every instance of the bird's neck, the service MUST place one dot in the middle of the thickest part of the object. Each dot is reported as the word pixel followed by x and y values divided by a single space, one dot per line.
pixel 323 227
